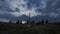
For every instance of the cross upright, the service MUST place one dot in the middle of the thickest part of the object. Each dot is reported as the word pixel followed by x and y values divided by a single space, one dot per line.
pixel 29 16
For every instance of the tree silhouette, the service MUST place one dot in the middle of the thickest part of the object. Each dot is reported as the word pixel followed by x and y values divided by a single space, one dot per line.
pixel 33 22
pixel 17 22
pixel 27 21
pixel 46 21
pixel 20 22
pixel 39 22
pixel 42 21
pixel 10 22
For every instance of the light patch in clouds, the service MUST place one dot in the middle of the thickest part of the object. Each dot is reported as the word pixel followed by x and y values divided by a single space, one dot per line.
pixel 2 12
pixel 26 12
pixel 43 4
pixel 4 20
pixel 52 14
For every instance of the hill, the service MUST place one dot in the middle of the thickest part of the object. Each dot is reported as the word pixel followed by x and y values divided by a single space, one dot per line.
pixel 10 28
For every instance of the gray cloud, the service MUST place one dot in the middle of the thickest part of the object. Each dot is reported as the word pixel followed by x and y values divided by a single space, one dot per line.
pixel 4 20
pixel 19 8
pixel 23 10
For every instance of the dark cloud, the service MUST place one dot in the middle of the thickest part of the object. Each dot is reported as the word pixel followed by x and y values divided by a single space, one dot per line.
pixel 13 9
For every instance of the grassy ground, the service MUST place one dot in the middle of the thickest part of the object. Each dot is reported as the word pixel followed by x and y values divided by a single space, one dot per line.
pixel 34 29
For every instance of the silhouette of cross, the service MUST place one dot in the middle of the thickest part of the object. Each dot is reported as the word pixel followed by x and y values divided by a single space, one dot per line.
pixel 29 15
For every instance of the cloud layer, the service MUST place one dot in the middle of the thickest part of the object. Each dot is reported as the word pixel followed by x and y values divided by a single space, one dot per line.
pixel 30 8
pixel 20 8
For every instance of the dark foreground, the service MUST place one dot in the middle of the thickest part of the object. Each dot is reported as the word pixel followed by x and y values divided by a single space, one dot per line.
pixel 34 29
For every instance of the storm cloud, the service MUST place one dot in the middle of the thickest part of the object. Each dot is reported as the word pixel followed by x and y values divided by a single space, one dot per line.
pixel 30 8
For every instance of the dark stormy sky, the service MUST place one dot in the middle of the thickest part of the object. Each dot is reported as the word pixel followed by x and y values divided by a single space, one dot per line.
pixel 37 9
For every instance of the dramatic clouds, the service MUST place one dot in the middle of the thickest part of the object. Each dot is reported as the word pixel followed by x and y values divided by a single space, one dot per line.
pixel 17 8
pixel 4 20
pixel 20 7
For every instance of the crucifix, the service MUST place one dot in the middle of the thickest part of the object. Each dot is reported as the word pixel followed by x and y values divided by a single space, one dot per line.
pixel 29 16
